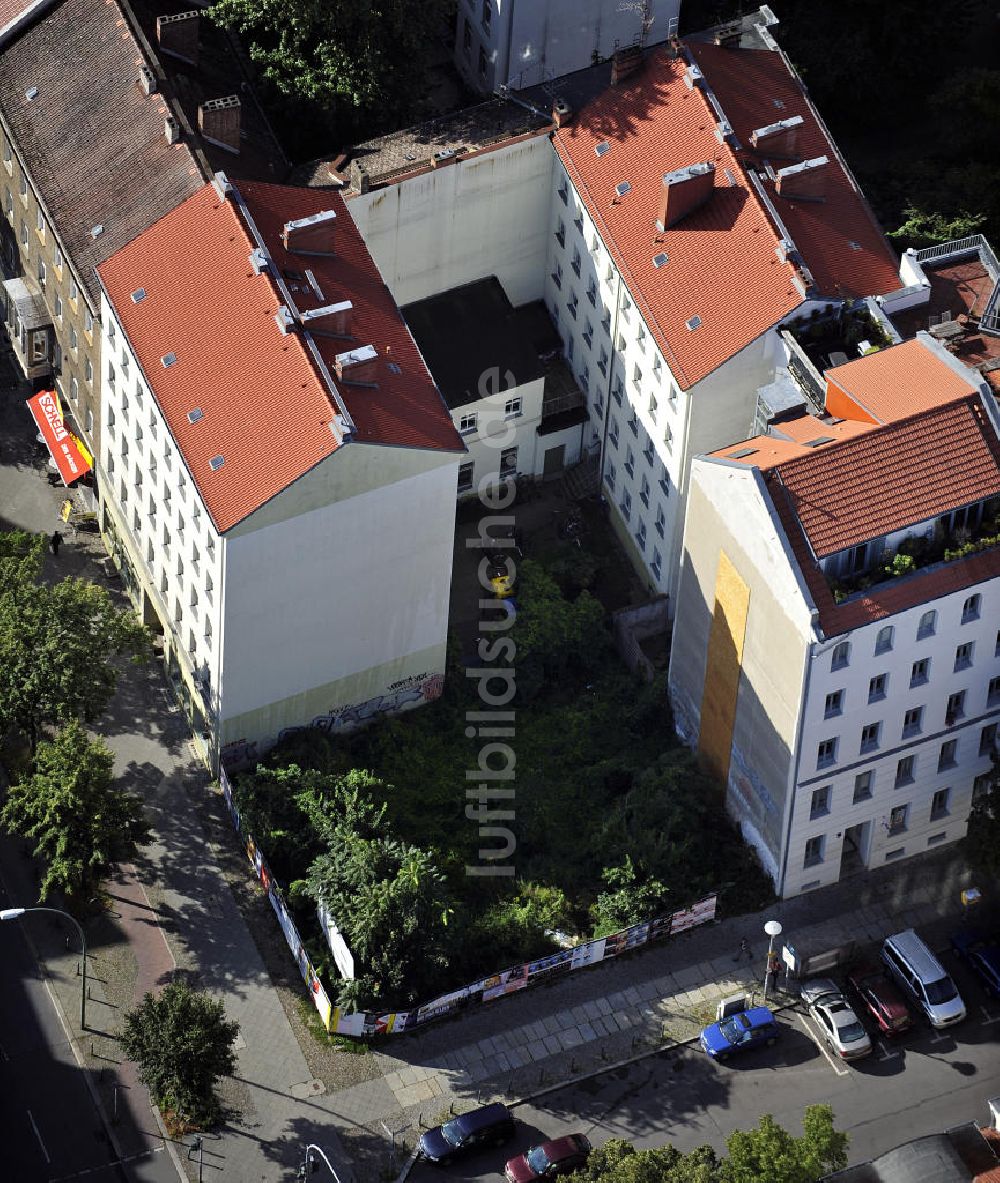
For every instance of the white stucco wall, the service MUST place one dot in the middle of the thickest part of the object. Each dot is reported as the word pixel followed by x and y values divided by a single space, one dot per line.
pixel 496 431
pixel 485 215
pixel 338 589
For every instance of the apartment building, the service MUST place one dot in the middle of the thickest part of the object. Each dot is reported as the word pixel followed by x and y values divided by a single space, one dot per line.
pixel 88 161
pixel 279 467
pixel 521 43
pixel 836 654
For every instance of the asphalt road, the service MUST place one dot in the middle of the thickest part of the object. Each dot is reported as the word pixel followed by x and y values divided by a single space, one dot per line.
pixel 49 1126
pixel 925 1082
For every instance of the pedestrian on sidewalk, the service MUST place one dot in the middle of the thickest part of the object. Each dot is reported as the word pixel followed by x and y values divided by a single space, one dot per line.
pixel 745 951
pixel 55 542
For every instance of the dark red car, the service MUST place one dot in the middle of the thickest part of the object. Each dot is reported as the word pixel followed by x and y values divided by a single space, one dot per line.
pixel 882 1000
pixel 558 1157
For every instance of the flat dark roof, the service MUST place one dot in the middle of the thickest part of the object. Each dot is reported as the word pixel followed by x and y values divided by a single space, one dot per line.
pixel 468 331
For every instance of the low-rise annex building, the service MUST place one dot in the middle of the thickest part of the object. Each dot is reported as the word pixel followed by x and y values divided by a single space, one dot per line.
pixel 836 653
pixel 278 466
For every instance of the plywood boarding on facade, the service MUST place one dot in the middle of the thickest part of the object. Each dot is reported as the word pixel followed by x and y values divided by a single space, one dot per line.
pixel 722 672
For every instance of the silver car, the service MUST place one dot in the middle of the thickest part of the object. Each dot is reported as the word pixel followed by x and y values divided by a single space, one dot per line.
pixel 841 1027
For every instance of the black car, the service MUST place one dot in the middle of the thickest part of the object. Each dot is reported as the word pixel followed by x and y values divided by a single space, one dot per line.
pixel 982 953
pixel 489 1126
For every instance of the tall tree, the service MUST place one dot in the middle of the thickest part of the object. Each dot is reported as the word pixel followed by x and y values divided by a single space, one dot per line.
pixel 983 837
pixel 81 824
pixel 182 1043
pixel 58 645
pixel 367 55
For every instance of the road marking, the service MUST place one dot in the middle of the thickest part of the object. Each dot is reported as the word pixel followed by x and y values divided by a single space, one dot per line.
pixel 987 1019
pixel 939 1038
pixel 109 1166
pixel 886 1054
pixel 38 1136
pixel 840 1069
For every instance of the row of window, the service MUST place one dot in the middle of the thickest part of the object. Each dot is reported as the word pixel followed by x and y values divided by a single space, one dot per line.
pixel 971 609
pixel 513 408
pixel 467 471
pixel 826 754
pixel 919 676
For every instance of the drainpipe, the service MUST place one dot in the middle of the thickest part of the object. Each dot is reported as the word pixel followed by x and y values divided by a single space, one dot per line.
pixel 611 376
pixel 510 38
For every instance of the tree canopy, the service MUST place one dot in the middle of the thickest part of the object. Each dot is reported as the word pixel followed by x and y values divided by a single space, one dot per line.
pixel 983 838
pixel 182 1044
pixel 81 824
pixel 765 1154
pixel 58 643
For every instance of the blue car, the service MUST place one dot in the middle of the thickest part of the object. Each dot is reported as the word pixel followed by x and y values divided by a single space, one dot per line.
pixel 748 1028
pixel 982 954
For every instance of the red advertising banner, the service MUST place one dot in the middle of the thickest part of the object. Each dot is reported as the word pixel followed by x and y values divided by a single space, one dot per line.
pixel 70 461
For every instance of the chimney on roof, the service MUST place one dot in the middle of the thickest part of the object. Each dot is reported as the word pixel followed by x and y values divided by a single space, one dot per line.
pixel 147 80
pixel 178 35
pixel 562 112
pixel 778 139
pixel 171 130
pixel 684 191
pixel 357 366
pixel 219 122
pixel 805 181
pixel 310 236
pixel 334 319
pixel 625 62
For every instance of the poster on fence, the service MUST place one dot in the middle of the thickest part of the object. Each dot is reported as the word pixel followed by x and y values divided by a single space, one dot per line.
pixel 700 913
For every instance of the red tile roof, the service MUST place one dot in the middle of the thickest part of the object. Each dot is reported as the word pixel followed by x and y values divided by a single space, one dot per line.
pixel 747 82
pixel 722 262
pixel 893 477
pixel 14 11
pixel 405 408
pixel 266 407
pixel 900 381
pixel 266 410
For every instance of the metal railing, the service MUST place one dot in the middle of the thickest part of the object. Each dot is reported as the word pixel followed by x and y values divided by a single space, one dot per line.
pixel 957 246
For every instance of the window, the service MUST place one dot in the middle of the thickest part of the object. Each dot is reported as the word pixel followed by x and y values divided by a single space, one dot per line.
pixel 883 642
pixel 652 407
pixel 465 475
pixel 630 461
pixel 876 687
pixel 920 671
pixel 508 462
pixel 644 491
pixel 927 626
pixel 982 786
pixel 598 411
pixel 993 692
pixel 970 609
pixel 897 818
pixel 814 851
pixel 826 753
pixel 640 337
pixel 626 310
pixel 487 14
pixel 564 191
pixel 40 222
pixel 613 431
pixel 660 522
pixel 74 389
pixel 948 756
pixel 561 233
pixel 820 805
pixel 152 509
pixel 468 423
pixel 841 655
pixel 466 36
pixel 22 187
pixel 59 308
pixel 89 422
pixel 573 304
pixel 88 322
pixel 512 408
pixel 988 739
pixel 578 219
pixel 656 564
pixel 592 291
pixel 602 365
pixel 904 771
pixel 625 505
pixel 57 260
pixel 640 535
pixel 665 482
pixel 955 708
pixel 588 333
pixel 912 722
pixel 42 272
pixel 74 291
pixel 557 275
pixel 606 321
pixel 863 786
pixel 24 233
pixel 111 374
pixel 88 372
pixel 576 261
pixel 869 737
pixel 618 390
pixel 637 374
pixel 482 62
pixel 647 452
pixel 834 704
pixel 611 476
pixel 963 655
pixel 136 522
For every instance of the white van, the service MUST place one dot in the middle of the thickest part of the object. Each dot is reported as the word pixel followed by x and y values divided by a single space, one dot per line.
pixel 922 976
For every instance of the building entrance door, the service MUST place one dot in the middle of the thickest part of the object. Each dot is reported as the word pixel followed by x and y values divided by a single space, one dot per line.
pixel 554 461
pixel 854 853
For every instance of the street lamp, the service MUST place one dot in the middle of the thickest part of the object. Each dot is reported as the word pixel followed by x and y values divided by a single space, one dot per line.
pixel 15 913
pixel 773 929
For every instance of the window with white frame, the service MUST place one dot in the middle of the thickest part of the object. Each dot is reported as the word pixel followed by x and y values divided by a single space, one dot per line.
pixel 576 261
pixel 630 461
pixel 625 504
pixel 640 534
pixel 610 476
pixel 613 431
pixel 468 423
pixel 644 491
pixel 588 333
pixel 660 524
pixel 602 364
pixel 508 462
pixel 656 565
pixel 512 407
pixel 927 626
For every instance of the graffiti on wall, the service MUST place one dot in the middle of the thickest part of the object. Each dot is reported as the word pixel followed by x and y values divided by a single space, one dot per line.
pixel 407 692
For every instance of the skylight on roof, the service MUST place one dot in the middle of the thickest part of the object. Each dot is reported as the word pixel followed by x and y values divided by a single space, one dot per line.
pixel 820 439
pixel 855 246
pixel 96 231
pixel 31 93
pixel 623 187
pixel 195 415
pixel 742 454
pixel 660 259
pixel 779 104
pixel 167 360
pixel 138 295
pixel 603 148
pixel 729 177
pixel 393 368
pixel 693 323
pixel 216 463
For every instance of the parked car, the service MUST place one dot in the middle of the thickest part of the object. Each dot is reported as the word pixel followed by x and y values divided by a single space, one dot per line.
pixel 739 1032
pixel 841 1027
pixel 558 1157
pixel 491 1125
pixel 922 976
pixel 982 954
pixel 882 999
